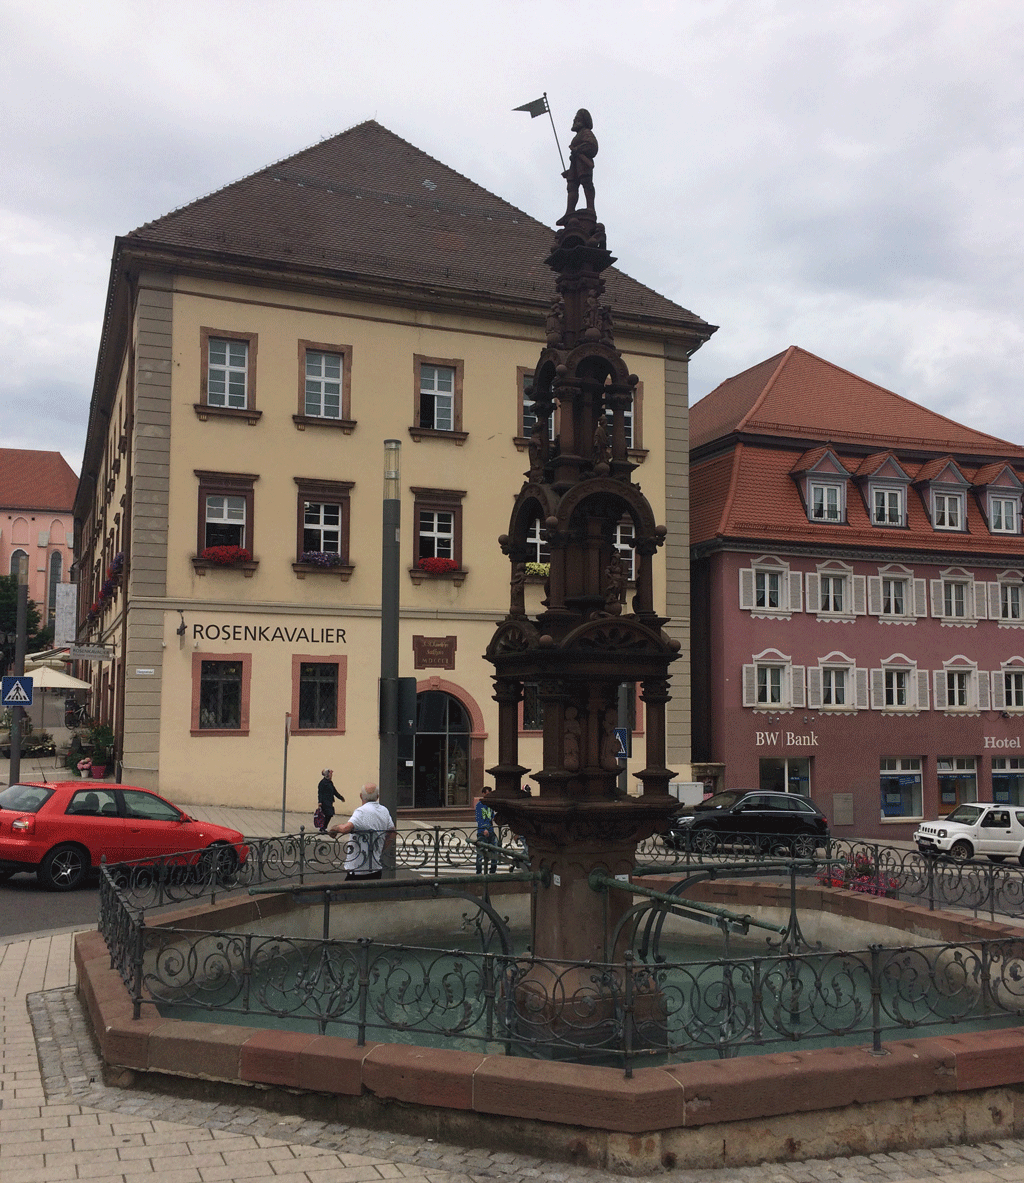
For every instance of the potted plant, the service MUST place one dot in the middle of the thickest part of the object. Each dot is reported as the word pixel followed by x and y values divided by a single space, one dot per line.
pixel 84 767
pixel 102 739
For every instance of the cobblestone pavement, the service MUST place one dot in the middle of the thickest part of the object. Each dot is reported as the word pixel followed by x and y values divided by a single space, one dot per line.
pixel 59 1121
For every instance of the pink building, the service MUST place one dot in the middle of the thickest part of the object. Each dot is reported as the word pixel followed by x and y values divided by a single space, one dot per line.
pixel 37 494
pixel 858 598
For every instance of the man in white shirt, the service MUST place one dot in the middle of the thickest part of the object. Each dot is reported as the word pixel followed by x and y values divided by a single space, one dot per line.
pixel 372 829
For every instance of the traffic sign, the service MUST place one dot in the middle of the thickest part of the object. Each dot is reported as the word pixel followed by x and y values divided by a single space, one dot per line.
pixel 622 735
pixel 16 691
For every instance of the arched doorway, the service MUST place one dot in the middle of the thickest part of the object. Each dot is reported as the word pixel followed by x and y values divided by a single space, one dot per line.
pixel 439 775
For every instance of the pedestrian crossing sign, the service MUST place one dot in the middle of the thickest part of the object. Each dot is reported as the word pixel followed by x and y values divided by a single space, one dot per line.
pixel 16 692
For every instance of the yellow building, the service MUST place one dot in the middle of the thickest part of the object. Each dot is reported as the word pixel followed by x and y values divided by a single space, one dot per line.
pixel 258 347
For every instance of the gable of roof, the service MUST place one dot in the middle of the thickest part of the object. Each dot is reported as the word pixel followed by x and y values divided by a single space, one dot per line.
pixel 882 466
pixel 942 470
pixel 368 203
pixel 796 395
pixel 36 480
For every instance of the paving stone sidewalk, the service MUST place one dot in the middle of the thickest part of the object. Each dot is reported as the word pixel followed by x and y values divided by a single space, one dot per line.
pixel 59 1121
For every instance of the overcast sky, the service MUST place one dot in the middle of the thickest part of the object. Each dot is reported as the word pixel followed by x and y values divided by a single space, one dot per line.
pixel 843 176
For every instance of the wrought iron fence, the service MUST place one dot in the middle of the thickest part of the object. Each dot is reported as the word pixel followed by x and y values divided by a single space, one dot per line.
pixel 518 1004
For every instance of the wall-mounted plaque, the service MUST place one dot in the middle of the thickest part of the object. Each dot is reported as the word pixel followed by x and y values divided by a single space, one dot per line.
pixel 433 652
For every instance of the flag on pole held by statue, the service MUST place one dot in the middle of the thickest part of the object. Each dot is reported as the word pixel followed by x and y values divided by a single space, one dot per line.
pixel 537 107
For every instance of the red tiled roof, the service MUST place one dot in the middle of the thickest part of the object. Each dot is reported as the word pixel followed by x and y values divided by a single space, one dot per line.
pixel 749 493
pixel 36 480
pixel 797 395
pixel 367 203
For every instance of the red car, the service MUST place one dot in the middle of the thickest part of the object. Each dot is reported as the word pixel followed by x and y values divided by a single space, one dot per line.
pixel 61 830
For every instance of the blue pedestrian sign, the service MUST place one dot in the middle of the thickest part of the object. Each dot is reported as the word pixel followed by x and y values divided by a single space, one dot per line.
pixel 16 692
pixel 622 735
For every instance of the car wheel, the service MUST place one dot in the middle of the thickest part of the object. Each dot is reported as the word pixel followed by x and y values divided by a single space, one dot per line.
pixel 804 846
pixel 703 840
pixel 997 858
pixel 961 851
pixel 219 861
pixel 64 868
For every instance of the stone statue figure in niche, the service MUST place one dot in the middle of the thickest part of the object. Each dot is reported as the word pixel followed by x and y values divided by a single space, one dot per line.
pixel 609 741
pixel 571 736
pixel 537 449
pixel 554 323
pixel 601 450
pixel 518 597
pixel 580 173
pixel 615 584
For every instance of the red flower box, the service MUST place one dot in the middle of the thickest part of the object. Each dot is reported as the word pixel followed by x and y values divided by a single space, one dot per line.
pixel 225 556
pixel 434 566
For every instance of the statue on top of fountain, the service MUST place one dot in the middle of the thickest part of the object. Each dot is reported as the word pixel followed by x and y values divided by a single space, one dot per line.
pixel 580 173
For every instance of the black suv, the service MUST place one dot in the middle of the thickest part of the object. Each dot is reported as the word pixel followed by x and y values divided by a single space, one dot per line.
pixel 774 822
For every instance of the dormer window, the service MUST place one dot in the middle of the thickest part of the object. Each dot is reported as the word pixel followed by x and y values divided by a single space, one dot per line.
pixel 948 511
pixel 888 507
pixel 826 502
pixel 1003 514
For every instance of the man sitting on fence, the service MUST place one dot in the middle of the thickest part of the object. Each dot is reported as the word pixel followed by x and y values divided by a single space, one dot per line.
pixel 373 830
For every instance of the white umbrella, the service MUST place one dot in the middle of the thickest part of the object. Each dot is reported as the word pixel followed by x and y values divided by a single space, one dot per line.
pixel 44 677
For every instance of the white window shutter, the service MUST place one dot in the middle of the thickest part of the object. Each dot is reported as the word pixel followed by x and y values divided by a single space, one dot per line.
pixel 813 592
pixel 937 604
pixel 877 690
pixel 980 600
pixel 998 689
pixel 746 588
pixel 795 592
pixel 875 595
pixel 814 686
pixel 982 683
pixel 922 690
pixel 939 682
pixel 861 680
pixel 995 604
pixel 920 597
pixel 750 685
pixel 796 678
pixel 859 595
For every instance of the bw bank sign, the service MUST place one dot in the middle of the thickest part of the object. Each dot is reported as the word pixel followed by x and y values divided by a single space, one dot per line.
pixel 786 739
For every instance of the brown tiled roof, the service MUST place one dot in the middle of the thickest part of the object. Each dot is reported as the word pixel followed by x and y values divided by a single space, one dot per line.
pixel 796 395
pixel 749 493
pixel 36 480
pixel 366 203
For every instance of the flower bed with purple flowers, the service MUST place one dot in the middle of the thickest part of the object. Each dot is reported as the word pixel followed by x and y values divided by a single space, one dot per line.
pixel 320 558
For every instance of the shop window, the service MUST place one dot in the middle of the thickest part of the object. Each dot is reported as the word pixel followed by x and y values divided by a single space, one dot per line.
pixel 769 589
pixel 1008 780
pixel 958 781
pixel 318 694
pixel 227 375
pixel 325 386
pixel 900 783
pixel 437 409
pixel 785 776
pixel 220 693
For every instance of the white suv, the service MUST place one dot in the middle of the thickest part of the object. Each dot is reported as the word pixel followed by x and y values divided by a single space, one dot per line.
pixel 978 828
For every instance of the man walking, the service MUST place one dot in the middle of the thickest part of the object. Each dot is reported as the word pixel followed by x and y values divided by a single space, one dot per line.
pixel 373 830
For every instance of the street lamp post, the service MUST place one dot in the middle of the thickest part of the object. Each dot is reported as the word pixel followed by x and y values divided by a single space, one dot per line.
pixel 20 644
pixel 389 609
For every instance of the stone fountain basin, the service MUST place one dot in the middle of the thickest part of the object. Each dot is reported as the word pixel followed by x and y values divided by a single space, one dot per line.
pixel 743 1111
